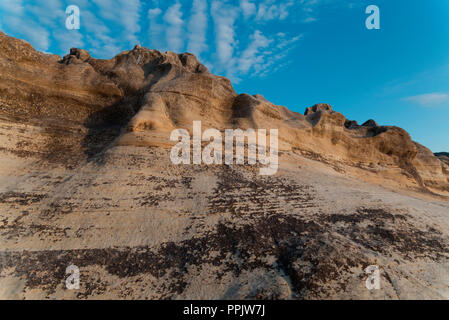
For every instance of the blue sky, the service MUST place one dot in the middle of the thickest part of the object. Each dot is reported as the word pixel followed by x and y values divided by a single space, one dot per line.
pixel 296 53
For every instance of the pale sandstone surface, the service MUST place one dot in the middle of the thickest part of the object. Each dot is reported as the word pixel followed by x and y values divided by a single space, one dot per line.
pixel 86 179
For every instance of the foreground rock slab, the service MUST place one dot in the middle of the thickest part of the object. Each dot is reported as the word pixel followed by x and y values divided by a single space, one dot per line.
pixel 86 180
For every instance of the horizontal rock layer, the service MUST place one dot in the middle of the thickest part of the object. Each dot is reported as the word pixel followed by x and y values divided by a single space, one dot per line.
pixel 86 179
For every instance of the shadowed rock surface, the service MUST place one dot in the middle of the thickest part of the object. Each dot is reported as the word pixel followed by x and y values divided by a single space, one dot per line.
pixel 86 179
pixel 444 156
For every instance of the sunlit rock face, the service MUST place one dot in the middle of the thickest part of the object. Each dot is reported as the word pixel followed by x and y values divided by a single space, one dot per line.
pixel 86 179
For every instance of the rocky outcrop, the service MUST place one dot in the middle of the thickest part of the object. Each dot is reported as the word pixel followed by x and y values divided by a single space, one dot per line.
pixel 141 95
pixel 370 123
pixel 442 155
pixel 444 158
pixel 351 124
pixel 86 179
pixel 318 107
pixel 76 56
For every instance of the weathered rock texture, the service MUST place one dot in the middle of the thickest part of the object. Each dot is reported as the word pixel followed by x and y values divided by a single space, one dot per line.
pixel 86 179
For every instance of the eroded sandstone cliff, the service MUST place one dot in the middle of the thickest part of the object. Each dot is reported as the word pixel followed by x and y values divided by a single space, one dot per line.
pixel 86 179
pixel 140 96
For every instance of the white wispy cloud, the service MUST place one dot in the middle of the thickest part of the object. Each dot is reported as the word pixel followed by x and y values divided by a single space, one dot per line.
pixel 67 39
pixel 238 52
pixel 309 20
pixel 51 16
pixel 224 17
pixel 40 22
pixel 12 14
pixel 49 13
pixel 280 51
pixel 252 55
pixel 101 43
pixel 130 18
pixel 12 6
pixel 285 42
pixel 197 28
pixel 153 13
pixel 248 8
pixel 235 42
pixel 125 13
pixel 174 36
pixel 38 36
pixel 269 10
pixel 156 29
pixel 309 10
pixel 429 99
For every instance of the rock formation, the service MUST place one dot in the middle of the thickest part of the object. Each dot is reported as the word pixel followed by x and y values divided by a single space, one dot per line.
pixel 86 179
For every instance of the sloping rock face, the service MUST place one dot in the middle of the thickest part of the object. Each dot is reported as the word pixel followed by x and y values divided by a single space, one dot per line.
pixel 140 96
pixel 444 158
pixel 86 179
pixel 443 154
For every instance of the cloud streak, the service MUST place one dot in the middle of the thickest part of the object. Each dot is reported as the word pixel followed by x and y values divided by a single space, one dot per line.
pixel 252 55
pixel 125 13
pixel 156 29
pixel 173 18
pixel 233 36
pixel 429 99
pixel 197 28
pixel 248 8
pixel 268 10
pixel 224 18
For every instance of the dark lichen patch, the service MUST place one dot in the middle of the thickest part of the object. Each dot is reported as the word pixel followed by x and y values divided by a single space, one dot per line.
pixel 62 143
pixel 161 190
pixel 384 232
pixel 21 153
pixel 365 214
pixel 55 209
pixel 317 254
pixel 21 198
pixel 232 249
pixel 45 269
pixel 18 229
pixel 237 194
pixel 262 294
pixel 92 287
pixel 153 200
